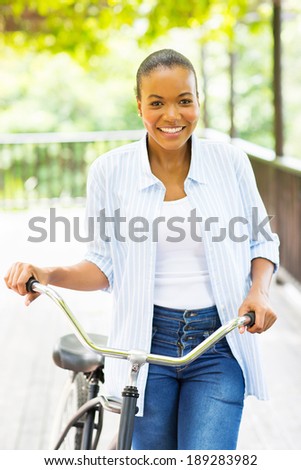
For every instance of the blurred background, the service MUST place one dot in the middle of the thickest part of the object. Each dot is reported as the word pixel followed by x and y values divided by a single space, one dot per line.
pixel 67 78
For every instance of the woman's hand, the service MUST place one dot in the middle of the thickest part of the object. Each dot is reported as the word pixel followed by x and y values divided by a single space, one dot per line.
pixel 258 301
pixel 18 275
pixel 85 276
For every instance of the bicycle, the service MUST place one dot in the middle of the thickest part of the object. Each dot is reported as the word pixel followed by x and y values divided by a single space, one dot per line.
pixel 83 355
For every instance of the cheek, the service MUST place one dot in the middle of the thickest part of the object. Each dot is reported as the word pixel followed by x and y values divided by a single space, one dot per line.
pixel 149 118
pixel 192 114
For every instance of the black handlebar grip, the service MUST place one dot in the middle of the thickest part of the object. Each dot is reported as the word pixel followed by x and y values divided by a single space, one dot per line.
pixel 251 315
pixel 29 284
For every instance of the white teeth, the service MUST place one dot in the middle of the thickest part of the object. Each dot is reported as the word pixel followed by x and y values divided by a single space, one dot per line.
pixel 171 130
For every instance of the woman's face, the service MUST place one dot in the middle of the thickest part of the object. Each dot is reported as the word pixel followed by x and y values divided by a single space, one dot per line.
pixel 169 107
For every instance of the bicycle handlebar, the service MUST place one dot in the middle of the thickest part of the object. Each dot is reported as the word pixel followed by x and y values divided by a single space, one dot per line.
pixel 139 357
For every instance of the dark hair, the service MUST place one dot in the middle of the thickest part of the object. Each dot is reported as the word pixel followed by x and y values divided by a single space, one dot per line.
pixel 165 58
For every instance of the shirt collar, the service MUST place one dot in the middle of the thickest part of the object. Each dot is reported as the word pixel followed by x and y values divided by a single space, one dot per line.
pixel 147 178
pixel 197 168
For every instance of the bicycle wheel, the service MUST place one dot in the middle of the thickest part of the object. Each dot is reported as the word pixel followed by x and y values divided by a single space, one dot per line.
pixel 74 395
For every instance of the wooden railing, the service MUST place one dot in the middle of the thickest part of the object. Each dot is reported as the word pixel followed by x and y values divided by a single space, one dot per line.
pixel 53 168
pixel 279 183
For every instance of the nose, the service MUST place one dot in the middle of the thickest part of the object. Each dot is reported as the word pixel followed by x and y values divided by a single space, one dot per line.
pixel 172 113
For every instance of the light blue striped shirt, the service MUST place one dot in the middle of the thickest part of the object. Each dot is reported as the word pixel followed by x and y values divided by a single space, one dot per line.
pixel 221 186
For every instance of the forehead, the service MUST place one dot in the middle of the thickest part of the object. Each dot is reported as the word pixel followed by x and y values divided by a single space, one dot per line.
pixel 166 81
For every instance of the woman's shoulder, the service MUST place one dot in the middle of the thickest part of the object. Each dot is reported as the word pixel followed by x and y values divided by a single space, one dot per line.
pixel 218 151
pixel 219 146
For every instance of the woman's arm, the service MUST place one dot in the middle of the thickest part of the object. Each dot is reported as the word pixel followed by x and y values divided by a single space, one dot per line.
pixel 257 299
pixel 81 276
pixel 264 244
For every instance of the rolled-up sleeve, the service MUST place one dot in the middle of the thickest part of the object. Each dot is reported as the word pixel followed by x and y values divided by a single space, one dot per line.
pixel 263 242
pixel 99 249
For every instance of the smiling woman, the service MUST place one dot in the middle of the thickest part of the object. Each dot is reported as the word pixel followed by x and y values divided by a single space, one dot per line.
pixel 172 113
pixel 171 292
pixel 167 98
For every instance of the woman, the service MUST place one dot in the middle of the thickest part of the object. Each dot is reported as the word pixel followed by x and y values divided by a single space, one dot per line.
pixel 188 248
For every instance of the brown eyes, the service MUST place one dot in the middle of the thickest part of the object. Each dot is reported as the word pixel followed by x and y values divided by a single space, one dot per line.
pixel 157 104
pixel 186 101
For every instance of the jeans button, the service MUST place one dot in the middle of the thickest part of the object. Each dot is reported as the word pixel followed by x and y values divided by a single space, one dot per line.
pixel 190 314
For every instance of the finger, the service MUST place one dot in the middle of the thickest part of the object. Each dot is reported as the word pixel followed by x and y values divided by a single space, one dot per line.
pixel 260 321
pixel 270 319
pixel 30 297
pixel 26 273
pixel 6 279
pixel 243 310
pixel 14 277
pixel 9 276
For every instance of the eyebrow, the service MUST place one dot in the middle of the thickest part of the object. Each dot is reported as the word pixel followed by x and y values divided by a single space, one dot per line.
pixel 161 97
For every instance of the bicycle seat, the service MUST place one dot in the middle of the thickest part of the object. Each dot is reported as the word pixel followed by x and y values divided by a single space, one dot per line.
pixel 69 353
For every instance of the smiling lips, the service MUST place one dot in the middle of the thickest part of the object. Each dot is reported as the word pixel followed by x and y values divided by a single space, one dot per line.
pixel 171 130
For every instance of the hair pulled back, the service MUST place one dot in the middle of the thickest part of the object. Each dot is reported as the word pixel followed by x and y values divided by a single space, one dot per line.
pixel 164 58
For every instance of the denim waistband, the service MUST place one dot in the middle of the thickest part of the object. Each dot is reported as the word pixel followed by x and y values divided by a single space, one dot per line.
pixel 178 314
pixel 183 328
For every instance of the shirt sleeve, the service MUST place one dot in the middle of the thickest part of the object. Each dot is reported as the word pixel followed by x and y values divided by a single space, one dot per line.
pixel 263 242
pixel 99 249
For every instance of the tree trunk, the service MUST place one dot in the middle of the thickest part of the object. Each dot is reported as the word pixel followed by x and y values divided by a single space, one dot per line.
pixel 204 87
pixel 277 79
pixel 232 58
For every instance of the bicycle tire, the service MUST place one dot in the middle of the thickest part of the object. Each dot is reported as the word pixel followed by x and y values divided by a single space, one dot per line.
pixel 74 395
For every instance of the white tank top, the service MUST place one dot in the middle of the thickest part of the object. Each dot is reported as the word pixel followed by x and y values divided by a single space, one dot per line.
pixel 181 275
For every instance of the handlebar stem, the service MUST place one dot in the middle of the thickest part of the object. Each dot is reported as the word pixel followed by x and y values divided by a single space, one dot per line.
pixel 137 359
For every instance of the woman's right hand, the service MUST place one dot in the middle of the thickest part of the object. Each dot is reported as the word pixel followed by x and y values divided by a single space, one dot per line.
pixel 18 275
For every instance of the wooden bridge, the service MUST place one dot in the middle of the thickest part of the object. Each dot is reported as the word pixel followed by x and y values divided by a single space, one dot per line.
pixel 31 383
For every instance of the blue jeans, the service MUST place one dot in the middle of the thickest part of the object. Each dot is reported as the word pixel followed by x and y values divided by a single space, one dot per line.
pixel 198 406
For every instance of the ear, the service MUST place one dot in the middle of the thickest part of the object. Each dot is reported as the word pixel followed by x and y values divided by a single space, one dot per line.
pixel 139 107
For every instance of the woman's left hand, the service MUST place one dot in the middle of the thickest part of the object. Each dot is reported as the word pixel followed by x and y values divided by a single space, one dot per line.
pixel 258 302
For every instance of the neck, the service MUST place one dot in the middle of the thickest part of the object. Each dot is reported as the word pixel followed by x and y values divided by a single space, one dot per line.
pixel 169 159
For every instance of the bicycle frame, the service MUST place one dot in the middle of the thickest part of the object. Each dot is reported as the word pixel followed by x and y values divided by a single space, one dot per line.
pixel 136 358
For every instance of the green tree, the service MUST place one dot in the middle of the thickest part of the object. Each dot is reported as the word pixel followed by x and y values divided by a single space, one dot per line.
pixel 82 27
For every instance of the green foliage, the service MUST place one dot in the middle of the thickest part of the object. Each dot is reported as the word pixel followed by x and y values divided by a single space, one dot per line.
pixel 212 19
pixel 70 64
pixel 50 93
pixel 254 98
pixel 82 28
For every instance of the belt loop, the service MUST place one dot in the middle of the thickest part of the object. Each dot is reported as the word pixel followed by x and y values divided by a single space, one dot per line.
pixel 185 316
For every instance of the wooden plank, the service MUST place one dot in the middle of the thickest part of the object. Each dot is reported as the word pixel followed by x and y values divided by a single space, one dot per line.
pixel 31 383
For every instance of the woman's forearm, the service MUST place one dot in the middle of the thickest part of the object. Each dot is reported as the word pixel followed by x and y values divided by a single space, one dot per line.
pixel 84 276
pixel 81 276
pixel 261 273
